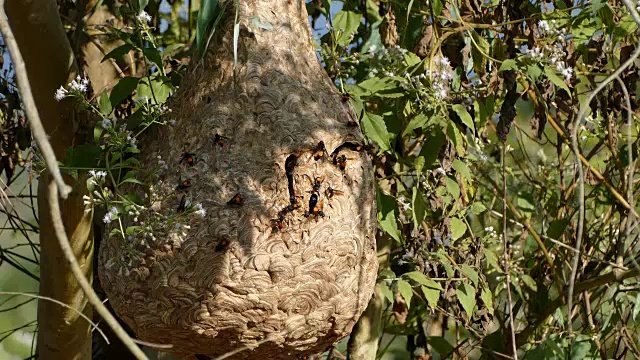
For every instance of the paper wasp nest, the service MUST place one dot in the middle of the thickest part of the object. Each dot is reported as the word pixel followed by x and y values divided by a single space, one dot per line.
pixel 284 261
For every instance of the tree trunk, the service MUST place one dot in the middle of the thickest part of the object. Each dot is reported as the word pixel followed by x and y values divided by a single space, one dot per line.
pixel 268 267
pixel 62 333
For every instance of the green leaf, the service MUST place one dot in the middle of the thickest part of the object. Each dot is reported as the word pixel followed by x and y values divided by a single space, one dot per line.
pixel 375 129
pixel 456 138
pixel 477 208
pixel 132 180
pixel 557 228
pixel 467 297
pixel 487 299
pixel 458 228
pixel 82 156
pixel 405 290
pixel 418 164
pixel 419 208
pixel 104 104
pixel 432 145
pixel 464 115
pixel 387 214
pixel 534 72
pixel 118 52
pixel 417 122
pixel 462 169
pixel 142 4
pixel 422 279
pixel 479 52
pixel 386 292
pixel 440 345
pixel 556 80
pixel 161 89
pixel 528 280
pixel 346 23
pixel 432 295
pixel 154 56
pixel 469 272
pixel 437 7
pixel 509 64
pixel 122 90
pixel 452 187
pixel 375 85
pixel 209 12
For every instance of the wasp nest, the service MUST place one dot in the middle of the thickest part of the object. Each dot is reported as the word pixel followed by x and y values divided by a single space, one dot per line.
pixel 283 260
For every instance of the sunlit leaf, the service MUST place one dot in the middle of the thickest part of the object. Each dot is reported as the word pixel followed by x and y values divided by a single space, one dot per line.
pixel 388 214
pixel 458 228
pixel 405 290
pixel 467 297
pixel 375 129
pixel 419 208
pixel 346 23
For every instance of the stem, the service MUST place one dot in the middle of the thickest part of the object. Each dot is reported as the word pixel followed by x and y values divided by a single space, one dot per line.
pixel 506 251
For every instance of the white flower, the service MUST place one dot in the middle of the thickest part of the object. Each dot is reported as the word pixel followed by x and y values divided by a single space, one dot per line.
pixel 106 123
pixel 60 94
pixel 543 25
pixel 200 210
pixel 488 229
pixel 79 84
pixel 108 217
pixel 566 71
pixel 441 171
pixel 535 53
pixel 444 61
pixel 144 17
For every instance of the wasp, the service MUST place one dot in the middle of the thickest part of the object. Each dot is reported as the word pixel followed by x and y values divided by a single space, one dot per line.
pixel 220 140
pixel 320 151
pixel 278 224
pixel 237 199
pixel 315 206
pixel 340 161
pixel 183 204
pixel 188 158
pixel 331 192
pixel 345 97
pixel 223 244
pixel 290 164
pixel 317 183
pixel 184 184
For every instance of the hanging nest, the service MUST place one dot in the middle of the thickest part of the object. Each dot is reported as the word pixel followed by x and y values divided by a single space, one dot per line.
pixel 284 260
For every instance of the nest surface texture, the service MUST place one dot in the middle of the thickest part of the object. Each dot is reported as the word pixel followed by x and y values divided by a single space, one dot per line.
pixel 267 267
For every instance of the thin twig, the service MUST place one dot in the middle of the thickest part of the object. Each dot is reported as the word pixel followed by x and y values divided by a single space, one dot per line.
pixel 506 251
pixel 584 107
pixel 61 235
pixel 631 170
pixel 30 108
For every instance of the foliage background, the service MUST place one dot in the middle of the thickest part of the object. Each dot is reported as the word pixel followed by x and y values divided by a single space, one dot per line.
pixel 454 97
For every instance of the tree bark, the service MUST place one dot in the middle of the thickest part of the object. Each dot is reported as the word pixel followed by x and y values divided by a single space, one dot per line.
pixel 50 63
pixel 363 343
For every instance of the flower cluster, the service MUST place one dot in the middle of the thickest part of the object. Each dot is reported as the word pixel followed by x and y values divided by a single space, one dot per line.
pixel 78 86
pixel 441 74
pixel 144 17
pixel 110 215
pixel 556 52
pixel 491 231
